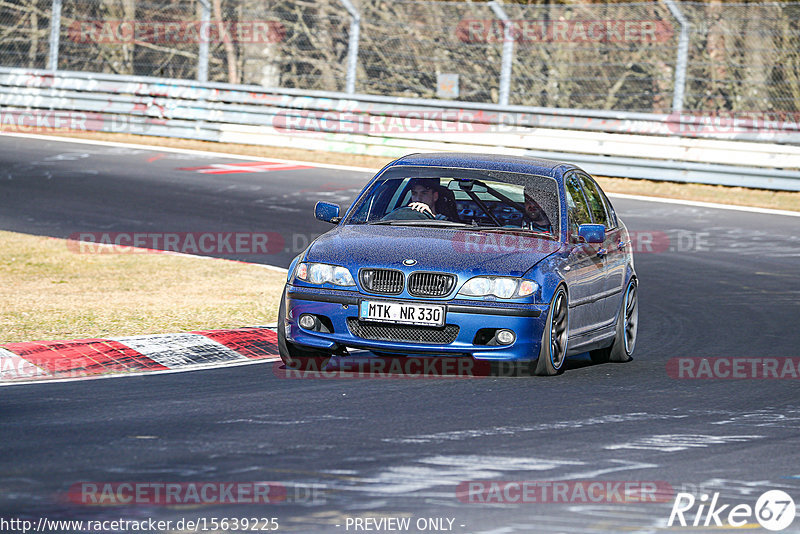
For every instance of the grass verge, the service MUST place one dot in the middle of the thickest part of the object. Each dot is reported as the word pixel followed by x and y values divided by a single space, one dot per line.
pixel 740 196
pixel 51 293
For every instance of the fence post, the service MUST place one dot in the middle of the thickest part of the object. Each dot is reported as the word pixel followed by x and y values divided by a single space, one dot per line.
pixel 508 52
pixel 352 47
pixel 55 35
pixel 202 53
pixel 683 56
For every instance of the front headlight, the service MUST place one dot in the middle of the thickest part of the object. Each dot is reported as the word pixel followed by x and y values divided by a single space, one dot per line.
pixel 500 287
pixel 321 273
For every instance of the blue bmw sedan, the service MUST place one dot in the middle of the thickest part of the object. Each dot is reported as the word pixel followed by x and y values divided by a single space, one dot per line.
pixel 494 258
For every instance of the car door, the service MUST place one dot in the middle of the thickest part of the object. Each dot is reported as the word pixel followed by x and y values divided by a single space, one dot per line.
pixel 613 263
pixel 585 276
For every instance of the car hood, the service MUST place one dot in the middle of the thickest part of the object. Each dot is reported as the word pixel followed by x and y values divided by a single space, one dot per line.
pixel 451 250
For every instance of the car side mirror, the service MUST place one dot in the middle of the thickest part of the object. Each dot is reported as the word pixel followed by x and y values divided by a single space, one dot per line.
pixel 325 211
pixel 592 233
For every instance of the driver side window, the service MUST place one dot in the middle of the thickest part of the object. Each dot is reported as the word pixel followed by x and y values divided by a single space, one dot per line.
pixel 577 209
pixel 596 204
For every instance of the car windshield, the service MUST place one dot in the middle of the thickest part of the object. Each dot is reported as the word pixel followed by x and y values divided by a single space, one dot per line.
pixel 452 197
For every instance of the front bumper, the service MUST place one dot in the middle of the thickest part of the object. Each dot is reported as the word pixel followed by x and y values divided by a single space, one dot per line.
pixel 525 320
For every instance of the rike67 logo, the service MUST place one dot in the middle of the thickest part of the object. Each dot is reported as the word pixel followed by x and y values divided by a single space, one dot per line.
pixel 774 510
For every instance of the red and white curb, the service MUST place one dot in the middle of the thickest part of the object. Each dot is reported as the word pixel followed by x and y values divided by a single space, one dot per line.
pixel 122 356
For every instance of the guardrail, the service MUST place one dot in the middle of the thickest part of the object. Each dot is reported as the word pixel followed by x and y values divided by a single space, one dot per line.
pixel 632 145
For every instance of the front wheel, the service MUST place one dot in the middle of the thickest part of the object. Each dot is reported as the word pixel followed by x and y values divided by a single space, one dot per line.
pixel 553 351
pixel 627 328
pixel 294 357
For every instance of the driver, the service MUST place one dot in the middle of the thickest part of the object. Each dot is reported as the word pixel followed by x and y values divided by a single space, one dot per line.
pixel 537 216
pixel 424 194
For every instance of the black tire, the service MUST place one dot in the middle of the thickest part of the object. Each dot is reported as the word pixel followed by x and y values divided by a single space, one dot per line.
pixel 293 356
pixel 553 350
pixel 621 350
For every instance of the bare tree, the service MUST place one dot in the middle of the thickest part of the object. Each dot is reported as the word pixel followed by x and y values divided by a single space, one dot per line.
pixel 743 57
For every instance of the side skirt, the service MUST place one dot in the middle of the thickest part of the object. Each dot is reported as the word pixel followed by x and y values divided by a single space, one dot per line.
pixel 595 339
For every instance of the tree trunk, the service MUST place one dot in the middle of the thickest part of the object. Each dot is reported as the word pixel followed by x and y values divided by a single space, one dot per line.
pixel 718 77
pixel 120 55
pixel 227 43
pixel 34 48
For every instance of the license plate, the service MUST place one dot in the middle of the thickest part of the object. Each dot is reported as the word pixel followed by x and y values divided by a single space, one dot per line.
pixel 399 312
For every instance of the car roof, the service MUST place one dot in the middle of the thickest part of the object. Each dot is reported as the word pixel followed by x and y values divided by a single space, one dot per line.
pixel 520 164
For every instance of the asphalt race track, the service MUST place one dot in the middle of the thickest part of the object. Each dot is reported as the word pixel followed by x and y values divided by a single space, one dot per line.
pixel 714 283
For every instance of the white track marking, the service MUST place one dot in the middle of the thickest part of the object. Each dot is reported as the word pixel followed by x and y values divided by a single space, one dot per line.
pixel 181 350
pixel 713 205
pixel 678 442
pixel 431 472
pixel 143 373
pixel 152 148
pixel 173 150
pixel 469 434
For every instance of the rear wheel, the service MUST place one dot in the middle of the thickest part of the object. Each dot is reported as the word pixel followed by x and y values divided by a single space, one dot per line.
pixel 293 356
pixel 553 350
pixel 627 328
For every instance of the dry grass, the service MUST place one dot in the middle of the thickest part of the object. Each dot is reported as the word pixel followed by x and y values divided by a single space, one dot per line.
pixel 49 292
pixel 707 193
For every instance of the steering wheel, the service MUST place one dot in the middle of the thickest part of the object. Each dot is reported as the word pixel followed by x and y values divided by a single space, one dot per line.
pixel 406 214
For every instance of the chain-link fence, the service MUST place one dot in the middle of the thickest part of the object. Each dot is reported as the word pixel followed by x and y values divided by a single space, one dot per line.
pixel 405 46
pixel 605 56
pixel 128 37
pixel 743 57
pixel 612 56
pixel 24 33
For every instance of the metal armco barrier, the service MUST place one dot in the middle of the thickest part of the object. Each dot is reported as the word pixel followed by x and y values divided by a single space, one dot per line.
pixel 631 145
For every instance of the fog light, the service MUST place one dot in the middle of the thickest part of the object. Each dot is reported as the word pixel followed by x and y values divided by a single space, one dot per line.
pixel 307 321
pixel 505 337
